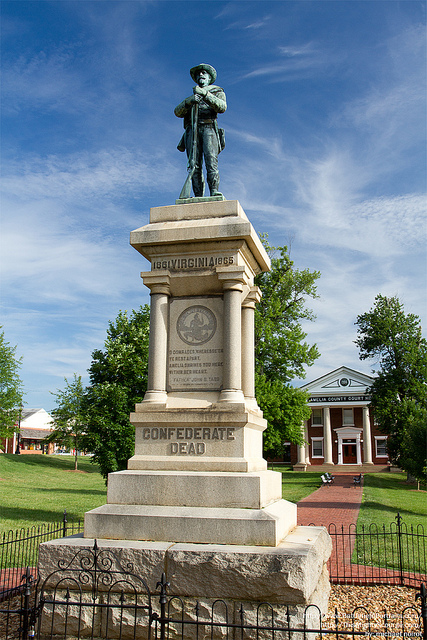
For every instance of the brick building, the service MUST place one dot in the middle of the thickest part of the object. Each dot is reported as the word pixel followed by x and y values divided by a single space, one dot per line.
pixel 341 433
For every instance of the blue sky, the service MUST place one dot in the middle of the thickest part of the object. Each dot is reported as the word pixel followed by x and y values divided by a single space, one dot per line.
pixel 325 151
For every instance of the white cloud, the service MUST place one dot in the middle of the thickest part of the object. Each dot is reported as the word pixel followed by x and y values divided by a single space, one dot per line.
pixel 83 175
pixel 291 51
pixel 258 23
pixel 46 81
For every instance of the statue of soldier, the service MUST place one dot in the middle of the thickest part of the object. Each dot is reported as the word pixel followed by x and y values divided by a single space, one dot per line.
pixel 202 138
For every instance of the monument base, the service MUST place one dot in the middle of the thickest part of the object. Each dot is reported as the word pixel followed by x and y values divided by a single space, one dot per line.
pixel 195 199
pixel 293 573
pixel 190 506
pixel 266 526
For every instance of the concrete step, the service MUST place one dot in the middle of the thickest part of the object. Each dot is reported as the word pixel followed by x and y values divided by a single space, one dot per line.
pixel 344 468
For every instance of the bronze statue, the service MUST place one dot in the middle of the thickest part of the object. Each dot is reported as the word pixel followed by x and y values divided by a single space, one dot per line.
pixel 202 138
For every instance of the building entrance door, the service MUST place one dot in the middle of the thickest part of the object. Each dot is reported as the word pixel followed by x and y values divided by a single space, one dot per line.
pixel 349 453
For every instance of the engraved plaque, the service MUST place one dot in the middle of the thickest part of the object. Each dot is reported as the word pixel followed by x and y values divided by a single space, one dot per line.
pixel 195 352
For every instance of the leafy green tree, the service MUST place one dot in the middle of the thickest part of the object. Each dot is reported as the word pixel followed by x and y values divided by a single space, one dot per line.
pixel 414 443
pixel 11 388
pixel 118 380
pixel 69 417
pixel 281 351
pixel 399 390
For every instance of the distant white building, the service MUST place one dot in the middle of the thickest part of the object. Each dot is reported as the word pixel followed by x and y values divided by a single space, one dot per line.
pixel 35 425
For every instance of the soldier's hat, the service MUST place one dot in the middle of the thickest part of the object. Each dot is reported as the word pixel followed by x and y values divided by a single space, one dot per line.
pixel 205 67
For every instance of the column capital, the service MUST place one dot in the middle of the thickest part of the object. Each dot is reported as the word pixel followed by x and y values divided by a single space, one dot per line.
pixel 233 277
pixel 253 297
pixel 157 282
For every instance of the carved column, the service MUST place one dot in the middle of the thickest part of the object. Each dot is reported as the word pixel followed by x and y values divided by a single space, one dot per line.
pixel 303 452
pixel 158 284
pixel 232 285
pixel 367 443
pixel 248 343
pixel 327 436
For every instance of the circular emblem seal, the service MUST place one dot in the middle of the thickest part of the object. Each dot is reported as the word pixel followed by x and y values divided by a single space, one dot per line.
pixel 196 325
pixel 344 382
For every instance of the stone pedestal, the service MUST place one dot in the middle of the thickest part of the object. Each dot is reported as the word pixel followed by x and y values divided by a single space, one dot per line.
pixel 290 576
pixel 199 415
pixel 197 494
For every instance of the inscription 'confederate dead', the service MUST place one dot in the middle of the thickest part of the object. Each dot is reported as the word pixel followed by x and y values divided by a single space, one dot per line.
pixel 188 440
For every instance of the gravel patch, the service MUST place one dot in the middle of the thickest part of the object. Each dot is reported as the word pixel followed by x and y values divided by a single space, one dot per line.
pixel 399 602
pixel 345 598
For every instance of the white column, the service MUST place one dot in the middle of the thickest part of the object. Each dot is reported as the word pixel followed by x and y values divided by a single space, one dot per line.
pixel 327 436
pixel 248 344
pixel 367 443
pixel 302 453
pixel 158 343
pixel 232 336
pixel 358 450
pixel 340 449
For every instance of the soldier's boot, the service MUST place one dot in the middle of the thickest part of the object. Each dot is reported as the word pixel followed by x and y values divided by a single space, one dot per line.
pixel 198 185
pixel 213 183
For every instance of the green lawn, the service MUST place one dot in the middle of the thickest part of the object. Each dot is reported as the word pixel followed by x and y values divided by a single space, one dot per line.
pixel 377 543
pixel 385 494
pixel 37 488
pixel 297 485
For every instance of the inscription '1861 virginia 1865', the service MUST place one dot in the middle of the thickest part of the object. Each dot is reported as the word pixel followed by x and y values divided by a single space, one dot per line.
pixel 197 262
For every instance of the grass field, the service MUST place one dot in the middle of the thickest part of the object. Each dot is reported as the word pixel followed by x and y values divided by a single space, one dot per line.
pixel 297 485
pixel 385 495
pixel 37 488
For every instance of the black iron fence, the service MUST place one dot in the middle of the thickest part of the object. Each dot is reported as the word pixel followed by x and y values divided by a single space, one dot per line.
pixel 393 554
pixel 93 596
pixel 20 548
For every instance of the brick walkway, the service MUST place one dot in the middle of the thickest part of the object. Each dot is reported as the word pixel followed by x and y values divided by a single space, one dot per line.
pixel 336 507
pixel 338 502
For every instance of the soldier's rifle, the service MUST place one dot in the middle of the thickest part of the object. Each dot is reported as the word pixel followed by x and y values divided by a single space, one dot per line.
pixel 186 189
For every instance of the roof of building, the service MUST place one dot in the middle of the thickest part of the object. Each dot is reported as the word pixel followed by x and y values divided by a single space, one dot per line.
pixel 34 434
pixel 332 379
pixel 26 413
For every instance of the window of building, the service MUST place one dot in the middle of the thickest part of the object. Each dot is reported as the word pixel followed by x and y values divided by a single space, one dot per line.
pixel 347 417
pixel 380 447
pixel 316 417
pixel 287 452
pixel 317 447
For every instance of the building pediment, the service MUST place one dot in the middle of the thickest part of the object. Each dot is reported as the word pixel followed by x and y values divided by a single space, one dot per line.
pixel 347 432
pixel 342 385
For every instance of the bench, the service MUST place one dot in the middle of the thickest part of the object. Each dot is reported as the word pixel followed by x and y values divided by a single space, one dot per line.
pixel 357 480
pixel 325 480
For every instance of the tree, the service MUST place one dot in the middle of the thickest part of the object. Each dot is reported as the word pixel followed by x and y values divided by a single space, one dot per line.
pixel 399 391
pixel 11 388
pixel 281 352
pixel 414 444
pixel 69 417
pixel 118 377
